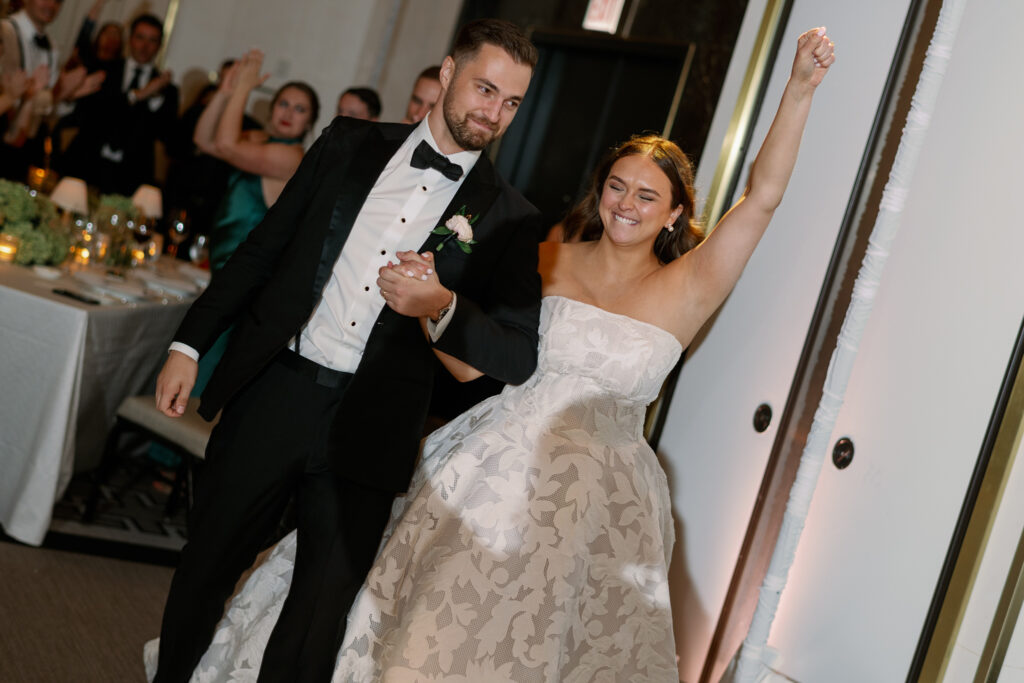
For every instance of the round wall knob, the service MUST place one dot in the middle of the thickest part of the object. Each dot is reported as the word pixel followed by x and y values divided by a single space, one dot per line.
pixel 842 453
pixel 762 417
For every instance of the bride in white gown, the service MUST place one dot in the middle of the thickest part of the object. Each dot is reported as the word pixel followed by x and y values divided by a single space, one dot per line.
pixel 534 541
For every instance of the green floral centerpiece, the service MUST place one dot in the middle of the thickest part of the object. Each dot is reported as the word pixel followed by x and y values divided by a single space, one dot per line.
pixel 114 215
pixel 111 204
pixel 35 222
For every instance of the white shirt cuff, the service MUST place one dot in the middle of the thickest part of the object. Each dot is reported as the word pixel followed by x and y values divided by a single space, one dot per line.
pixel 435 330
pixel 185 349
pixel 155 102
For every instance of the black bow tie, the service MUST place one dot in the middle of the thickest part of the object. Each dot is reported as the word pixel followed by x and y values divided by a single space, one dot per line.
pixel 41 41
pixel 424 156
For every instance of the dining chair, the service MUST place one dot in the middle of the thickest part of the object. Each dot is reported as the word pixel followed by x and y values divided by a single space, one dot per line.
pixel 186 436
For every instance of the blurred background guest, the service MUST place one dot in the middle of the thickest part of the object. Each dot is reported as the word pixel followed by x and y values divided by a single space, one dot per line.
pixel 118 126
pixel 197 181
pixel 359 103
pixel 98 50
pixel 425 92
pixel 26 48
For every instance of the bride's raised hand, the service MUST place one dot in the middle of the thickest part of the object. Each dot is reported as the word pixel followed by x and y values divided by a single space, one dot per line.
pixel 815 53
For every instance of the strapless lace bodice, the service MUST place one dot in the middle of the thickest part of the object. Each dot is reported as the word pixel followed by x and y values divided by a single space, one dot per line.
pixel 623 356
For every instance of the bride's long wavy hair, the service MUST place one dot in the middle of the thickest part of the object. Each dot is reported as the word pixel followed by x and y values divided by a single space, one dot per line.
pixel 584 222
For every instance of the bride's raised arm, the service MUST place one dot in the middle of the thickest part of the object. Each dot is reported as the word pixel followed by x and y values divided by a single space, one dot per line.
pixel 715 265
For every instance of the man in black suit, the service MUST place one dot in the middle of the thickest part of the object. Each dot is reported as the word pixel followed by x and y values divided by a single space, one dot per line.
pixel 29 59
pixel 325 385
pixel 118 126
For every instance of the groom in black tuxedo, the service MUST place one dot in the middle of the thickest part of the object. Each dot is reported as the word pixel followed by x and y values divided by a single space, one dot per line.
pixel 325 385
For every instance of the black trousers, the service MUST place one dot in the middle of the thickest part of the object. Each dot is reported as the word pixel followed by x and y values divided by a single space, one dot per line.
pixel 269 445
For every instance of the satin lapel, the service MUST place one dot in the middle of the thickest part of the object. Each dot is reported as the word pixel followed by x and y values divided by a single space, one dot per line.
pixel 477 192
pixel 368 161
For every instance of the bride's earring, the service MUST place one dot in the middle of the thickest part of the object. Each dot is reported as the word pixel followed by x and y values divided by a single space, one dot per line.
pixel 670 227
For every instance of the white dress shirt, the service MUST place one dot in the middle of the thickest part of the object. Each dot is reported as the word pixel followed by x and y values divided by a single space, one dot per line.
pixel 154 102
pixel 403 207
pixel 32 55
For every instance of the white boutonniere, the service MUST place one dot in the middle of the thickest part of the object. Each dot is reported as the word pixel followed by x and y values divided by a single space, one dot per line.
pixel 460 228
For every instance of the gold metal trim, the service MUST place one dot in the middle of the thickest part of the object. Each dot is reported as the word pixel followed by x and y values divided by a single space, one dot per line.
pixel 172 16
pixel 1005 620
pixel 677 98
pixel 962 583
pixel 758 69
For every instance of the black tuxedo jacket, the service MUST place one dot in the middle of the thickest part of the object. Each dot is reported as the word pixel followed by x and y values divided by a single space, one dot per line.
pixel 271 285
pixel 113 148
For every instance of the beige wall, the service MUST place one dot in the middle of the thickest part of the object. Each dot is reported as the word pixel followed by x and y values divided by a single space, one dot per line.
pixel 333 45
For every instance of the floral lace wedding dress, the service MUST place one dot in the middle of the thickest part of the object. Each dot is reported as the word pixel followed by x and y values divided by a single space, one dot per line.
pixel 534 541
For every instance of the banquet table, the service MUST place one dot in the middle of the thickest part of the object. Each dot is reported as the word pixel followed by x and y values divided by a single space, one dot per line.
pixel 65 367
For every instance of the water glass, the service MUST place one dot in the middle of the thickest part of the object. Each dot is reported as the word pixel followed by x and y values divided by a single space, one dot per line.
pixel 199 250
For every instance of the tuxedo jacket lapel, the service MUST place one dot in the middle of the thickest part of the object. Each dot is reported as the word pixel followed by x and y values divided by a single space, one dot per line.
pixel 477 192
pixel 368 161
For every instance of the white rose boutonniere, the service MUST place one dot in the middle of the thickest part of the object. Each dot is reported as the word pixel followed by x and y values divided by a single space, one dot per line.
pixel 460 228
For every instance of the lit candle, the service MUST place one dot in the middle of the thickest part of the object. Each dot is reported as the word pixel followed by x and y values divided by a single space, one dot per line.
pixel 8 247
pixel 100 244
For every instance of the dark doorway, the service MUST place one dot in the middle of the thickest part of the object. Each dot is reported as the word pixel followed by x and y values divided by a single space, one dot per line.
pixel 662 71
pixel 589 92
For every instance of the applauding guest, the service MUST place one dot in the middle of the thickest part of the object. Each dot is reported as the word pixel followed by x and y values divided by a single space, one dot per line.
pixel 27 52
pixel 99 53
pixel 119 125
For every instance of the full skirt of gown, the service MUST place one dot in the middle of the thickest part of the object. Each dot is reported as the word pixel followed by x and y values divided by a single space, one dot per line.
pixel 533 543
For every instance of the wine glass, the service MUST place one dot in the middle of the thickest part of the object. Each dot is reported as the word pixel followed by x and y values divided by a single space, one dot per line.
pixel 177 230
pixel 199 250
pixel 142 230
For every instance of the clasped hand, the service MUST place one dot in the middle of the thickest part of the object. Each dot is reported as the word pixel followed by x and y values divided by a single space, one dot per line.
pixel 411 286
pixel 244 74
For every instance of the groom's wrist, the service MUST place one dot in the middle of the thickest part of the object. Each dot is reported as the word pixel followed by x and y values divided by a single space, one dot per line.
pixel 444 307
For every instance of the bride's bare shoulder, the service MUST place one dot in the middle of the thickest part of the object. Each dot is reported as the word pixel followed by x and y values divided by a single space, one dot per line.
pixel 550 252
pixel 555 263
pixel 560 255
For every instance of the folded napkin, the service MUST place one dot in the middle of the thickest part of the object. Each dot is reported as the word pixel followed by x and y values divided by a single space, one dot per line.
pixel 165 283
pixel 124 290
pixel 197 275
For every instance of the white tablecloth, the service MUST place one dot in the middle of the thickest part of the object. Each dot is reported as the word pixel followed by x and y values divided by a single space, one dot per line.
pixel 65 367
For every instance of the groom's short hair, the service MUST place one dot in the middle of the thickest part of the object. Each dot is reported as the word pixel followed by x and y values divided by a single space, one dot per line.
pixel 498 32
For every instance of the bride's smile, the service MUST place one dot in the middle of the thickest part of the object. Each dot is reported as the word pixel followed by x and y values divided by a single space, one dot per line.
pixel 636 201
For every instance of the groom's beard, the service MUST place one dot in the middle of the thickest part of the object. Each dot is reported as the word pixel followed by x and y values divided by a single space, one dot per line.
pixel 466 135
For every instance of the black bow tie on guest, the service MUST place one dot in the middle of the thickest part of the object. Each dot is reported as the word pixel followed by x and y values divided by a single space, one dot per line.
pixel 424 156
pixel 41 41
